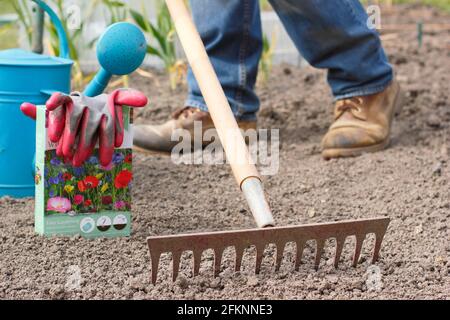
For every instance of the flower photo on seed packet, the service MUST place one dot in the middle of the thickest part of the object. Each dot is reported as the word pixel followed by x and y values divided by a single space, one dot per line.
pixel 89 188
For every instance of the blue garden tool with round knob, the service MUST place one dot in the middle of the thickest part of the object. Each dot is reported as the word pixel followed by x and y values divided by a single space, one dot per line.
pixel 120 50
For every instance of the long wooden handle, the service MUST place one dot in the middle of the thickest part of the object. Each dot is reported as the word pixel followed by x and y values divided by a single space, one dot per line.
pixel 232 140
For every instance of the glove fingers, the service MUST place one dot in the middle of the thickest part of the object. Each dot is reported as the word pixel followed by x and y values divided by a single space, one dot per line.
pixel 119 129
pixel 29 110
pixel 119 98
pixel 56 105
pixel 56 100
pixel 130 98
pixel 56 123
pixel 106 143
pixel 87 140
pixel 59 151
pixel 117 117
pixel 74 116
pixel 84 151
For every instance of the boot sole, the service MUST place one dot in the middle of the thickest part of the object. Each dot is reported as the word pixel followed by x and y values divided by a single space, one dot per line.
pixel 151 152
pixel 354 152
pixel 243 126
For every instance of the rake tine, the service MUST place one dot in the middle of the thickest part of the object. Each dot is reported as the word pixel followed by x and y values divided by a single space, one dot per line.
pixel 298 257
pixel 176 257
pixel 260 238
pixel 280 251
pixel 238 260
pixel 197 260
pixel 259 257
pixel 376 249
pixel 339 246
pixel 217 260
pixel 155 263
pixel 319 251
pixel 359 243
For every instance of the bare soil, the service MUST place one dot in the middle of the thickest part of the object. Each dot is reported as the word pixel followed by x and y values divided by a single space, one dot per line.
pixel 409 182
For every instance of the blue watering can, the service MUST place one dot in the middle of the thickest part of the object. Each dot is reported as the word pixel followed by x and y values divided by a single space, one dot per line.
pixel 30 77
pixel 26 76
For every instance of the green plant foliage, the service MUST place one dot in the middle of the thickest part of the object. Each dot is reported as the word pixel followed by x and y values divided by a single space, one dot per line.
pixel 441 4
pixel 265 5
pixel 163 31
pixel 22 9
pixel 8 36
pixel 265 63
pixel 79 79
pixel 118 10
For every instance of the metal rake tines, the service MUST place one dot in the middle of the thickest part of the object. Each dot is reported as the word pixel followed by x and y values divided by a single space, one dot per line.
pixel 260 238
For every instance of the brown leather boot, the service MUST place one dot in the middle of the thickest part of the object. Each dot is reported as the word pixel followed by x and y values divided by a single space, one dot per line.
pixel 362 124
pixel 157 138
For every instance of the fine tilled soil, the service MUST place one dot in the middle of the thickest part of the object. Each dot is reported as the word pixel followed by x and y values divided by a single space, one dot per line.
pixel 409 182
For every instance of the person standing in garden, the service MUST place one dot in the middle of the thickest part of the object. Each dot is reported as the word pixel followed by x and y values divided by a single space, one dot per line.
pixel 332 35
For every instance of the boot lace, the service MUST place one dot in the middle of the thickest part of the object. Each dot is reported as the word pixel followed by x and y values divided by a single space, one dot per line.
pixel 353 104
pixel 185 111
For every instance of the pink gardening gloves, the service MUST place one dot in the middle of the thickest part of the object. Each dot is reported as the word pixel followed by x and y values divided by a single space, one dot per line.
pixel 77 122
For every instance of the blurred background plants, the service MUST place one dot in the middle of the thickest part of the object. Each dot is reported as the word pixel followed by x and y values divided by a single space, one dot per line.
pixel 441 4
pixel 8 22
pixel 265 63
pixel 23 10
pixel 163 31
pixel 16 28
pixel 115 11
pixel 79 79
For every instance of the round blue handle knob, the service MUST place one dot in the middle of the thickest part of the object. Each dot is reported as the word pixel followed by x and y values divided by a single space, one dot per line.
pixel 120 50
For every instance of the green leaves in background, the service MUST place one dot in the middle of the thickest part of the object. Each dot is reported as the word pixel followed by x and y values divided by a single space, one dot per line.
pixel 163 31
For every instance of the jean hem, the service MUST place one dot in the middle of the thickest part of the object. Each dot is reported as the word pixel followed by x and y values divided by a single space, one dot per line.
pixel 363 91
pixel 196 104
pixel 200 104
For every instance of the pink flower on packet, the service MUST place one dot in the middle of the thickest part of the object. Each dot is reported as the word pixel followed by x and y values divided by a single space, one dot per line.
pixel 59 204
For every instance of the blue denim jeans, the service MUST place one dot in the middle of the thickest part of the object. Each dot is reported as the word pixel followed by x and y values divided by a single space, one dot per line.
pixel 329 34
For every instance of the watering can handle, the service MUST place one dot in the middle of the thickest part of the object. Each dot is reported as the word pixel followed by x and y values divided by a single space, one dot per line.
pixel 63 43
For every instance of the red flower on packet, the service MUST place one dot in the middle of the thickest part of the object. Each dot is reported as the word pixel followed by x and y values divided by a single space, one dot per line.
pixel 78 199
pixel 81 186
pixel 128 158
pixel 91 182
pixel 67 176
pixel 122 179
pixel 88 203
pixel 107 200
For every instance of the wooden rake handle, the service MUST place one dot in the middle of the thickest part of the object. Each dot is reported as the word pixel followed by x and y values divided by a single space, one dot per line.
pixel 236 151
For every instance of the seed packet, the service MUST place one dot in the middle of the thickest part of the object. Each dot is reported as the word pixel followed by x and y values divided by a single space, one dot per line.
pixel 90 200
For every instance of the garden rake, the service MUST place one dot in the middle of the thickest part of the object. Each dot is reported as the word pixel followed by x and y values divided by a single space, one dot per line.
pixel 249 182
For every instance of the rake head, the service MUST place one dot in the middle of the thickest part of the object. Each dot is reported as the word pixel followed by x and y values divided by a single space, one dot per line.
pixel 260 238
